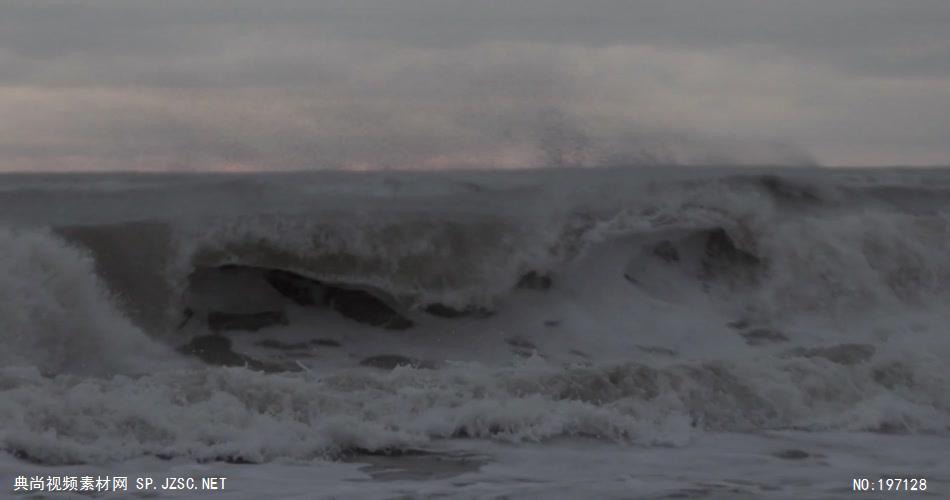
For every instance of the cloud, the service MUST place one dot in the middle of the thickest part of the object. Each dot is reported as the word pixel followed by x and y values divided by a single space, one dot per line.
pixel 289 84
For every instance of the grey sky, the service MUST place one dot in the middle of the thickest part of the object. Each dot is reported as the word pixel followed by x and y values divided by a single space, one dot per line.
pixel 277 84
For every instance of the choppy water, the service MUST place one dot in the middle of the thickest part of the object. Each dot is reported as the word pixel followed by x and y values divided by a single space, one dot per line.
pixel 496 328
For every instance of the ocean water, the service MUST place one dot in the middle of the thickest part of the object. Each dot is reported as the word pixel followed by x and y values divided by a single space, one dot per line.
pixel 608 333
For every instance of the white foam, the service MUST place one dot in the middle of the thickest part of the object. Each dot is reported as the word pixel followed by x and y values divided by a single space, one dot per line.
pixel 56 315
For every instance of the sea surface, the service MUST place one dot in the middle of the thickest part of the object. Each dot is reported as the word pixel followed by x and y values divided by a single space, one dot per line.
pixel 570 333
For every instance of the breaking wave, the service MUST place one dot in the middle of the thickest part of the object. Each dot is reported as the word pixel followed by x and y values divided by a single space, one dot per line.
pixel 631 307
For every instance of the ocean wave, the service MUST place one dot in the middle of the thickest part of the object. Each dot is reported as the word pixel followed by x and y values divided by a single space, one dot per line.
pixel 638 310
pixel 56 315
pixel 240 415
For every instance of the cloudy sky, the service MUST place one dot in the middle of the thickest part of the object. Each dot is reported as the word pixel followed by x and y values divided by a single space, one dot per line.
pixel 359 84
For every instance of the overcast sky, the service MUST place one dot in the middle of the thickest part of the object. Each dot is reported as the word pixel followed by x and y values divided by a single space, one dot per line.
pixel 290 84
